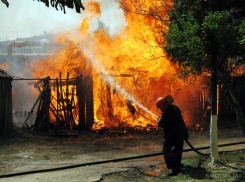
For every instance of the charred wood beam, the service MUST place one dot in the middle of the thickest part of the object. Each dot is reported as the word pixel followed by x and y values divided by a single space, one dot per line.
pixel 70 82
pixel 72 98
pixel 62 100
pixel 32 109
pixel 57 114
pixel 81 101
pixel 42 120
pixel 67 108
pixel 58 96
pixel 72 105
pixel 88 82
pixel 111 75
pixel 39 114
pixel 45 124
pixel 32 83
pixel 109 103
pixel 67 100
pixel 41 81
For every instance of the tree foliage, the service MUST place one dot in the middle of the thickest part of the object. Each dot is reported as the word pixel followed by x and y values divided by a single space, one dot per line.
pixel 59 3
pixel 200 36
pixel 206 35
pixel 200 30
pixel 190 31
pixel 5 2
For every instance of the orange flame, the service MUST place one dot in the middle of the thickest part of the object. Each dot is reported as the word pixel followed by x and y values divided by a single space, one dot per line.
pixel 126 61
pixel 93 8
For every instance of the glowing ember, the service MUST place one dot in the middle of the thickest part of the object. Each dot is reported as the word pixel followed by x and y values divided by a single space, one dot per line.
pixel 197 126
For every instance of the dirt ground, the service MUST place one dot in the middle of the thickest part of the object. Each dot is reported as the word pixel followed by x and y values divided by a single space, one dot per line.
pixel 31 151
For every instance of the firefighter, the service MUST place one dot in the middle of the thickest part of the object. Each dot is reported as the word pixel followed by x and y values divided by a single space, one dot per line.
pixel 175 132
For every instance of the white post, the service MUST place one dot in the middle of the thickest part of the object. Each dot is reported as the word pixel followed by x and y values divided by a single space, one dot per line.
pixel 214 140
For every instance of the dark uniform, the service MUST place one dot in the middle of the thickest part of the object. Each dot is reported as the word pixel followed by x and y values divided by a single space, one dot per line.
pixel 175 132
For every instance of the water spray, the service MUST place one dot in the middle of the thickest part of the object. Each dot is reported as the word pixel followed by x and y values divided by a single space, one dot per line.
pixel 107 79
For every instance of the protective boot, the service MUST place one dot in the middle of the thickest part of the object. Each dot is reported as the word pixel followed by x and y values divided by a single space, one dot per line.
pixel 177 150
pixel 170 160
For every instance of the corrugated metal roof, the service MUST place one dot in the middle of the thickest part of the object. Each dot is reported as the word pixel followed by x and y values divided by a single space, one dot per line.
pixel 5 74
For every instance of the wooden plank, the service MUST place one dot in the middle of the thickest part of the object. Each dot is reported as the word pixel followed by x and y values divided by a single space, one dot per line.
pixel 39 113
pixel 89 101
pixel 47 106
pixel 57 106
pixel 111 75
pixel 109 105
pixel 81 101
pixel 42 119
pixel 40 81
pixel 63 83
pixel 31 110
pixel 67 101
pixel 62 99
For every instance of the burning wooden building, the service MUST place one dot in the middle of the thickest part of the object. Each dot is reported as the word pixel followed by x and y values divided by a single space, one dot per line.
pixel 6 111
pixel 86 95
pixel 69 103
pixel 63 103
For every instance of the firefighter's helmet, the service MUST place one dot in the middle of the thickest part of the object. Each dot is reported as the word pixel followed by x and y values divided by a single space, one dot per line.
pixel 163 103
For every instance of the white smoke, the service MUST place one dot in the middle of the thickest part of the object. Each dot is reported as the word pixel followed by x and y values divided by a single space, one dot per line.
pixel 28 18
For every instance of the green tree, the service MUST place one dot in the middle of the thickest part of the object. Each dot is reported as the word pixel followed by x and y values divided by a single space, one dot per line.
pixel 59 3
pixel 206 36
pixel 202 36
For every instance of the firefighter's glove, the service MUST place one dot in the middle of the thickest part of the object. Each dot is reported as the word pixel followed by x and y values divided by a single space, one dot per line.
pixel 158 119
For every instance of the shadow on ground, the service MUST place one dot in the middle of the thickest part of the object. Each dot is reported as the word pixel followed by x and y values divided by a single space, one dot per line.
pixel 136 175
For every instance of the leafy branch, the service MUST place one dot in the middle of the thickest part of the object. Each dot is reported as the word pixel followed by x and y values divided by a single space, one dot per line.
pixel 59 3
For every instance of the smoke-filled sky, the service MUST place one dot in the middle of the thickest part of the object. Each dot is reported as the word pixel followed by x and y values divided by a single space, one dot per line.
pixel 33 18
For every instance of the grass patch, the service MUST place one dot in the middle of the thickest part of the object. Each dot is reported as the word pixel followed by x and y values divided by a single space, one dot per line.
pixel 230 168
pixel 197 168
pixel 195 162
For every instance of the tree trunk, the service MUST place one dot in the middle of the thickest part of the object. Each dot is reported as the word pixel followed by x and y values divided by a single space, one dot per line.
pixel 233 97
pixel 213 123
pixel 237 107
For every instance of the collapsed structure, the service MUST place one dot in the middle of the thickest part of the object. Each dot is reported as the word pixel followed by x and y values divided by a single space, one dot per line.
pixel 64 107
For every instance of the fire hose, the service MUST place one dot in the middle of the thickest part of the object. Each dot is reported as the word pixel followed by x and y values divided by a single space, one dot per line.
pixel 187 141
pixel 133 111
pixel 104 161
pixel 120 159
pixel 195 150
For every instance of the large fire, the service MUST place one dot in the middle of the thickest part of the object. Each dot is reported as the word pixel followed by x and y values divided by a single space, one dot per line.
pixel 120 64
